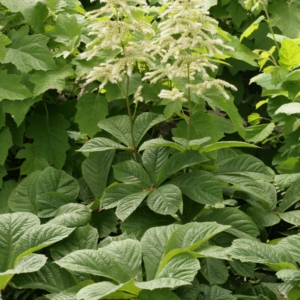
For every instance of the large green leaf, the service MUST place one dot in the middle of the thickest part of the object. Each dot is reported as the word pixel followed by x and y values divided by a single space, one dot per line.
pixel 225 144
pixel 119 261
pixel 291 196
pixel 101 144
pixel 158 294
pixel 4 41
pixel 143 123
pixel 71 215
pixel 289 275
pixel 165 200
pixel 291 244
pixel 51 143
pixel 254 251
pixel 289 109
pixel 91 108
pixel 51 79
pixel 153 160
pixel 241 224
pixel 246 165
pixel 81 238
pixel 132 173
pixel 5 142
pixel 50 278
pixel 289 54
pixel 200 186
pixel 160 142
pixel 6 190
pixel 29 52
pixel 258 133
pixel 214 270
pixel 179 161
pixel 118 127
pixel 292 217
pixel 95 170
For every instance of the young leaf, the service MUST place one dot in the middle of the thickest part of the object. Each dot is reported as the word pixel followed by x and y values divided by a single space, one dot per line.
pixel 165 200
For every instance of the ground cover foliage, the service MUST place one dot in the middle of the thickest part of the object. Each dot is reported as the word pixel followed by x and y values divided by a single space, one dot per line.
pixel 149 149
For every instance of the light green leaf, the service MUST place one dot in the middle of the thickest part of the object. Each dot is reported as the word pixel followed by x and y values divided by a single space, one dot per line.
pixel 23 197
pixel 143 219
pixel 51 79
pixel 292 217
pixel 116 192
pixel 71 215
pixel 29 52
pixel 153 160
pixel 105 221
pixel 50 278
pixel 179 161
pixel 13 228
pixel 98 290
pixel 91 108
pixel 222 145
pixel 52 143
pixel 132 173
pixel 160 142
pixel 291 244
pixel 101 144
pixel 258 133
pixel 165 200
pixel 129 204
pixel 95 170
pixel 257 252
pixel 32 162
pixel 158 294
pixel 82 238
pixel 120 261
pixel 289 275
pixel 254 26
pixel 262 218
pixel 143 123
pixel 5 142
pixel 289 109
pixel 11 88
pixel 241 224
pixel 4 41
pixel 118 127
pixel 246 165
pixel 6 189
pixel 291 196
pixel 200 186
pixel 214 270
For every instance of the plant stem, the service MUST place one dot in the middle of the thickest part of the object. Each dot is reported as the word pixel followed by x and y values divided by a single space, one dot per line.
pixel 134 150
pixel 190 103
pixel 269 24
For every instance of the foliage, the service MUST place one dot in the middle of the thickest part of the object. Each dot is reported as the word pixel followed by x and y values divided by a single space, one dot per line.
pixel 126 160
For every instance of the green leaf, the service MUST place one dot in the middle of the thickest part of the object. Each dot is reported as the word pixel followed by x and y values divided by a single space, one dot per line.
pixel 225 144
pixel 237 13
pixel 257 252
pixel 217 293
pixel 291 244
pixel 165 200
pixel 50 278
pixel 32 162
pixel 153 161
pixel 289 54
pixel 4 41
pixel 258 133
pixel 5 142
pixel 289 109
pixel 11 88
pixel 289 275
pixel 129 204
pixel 262 218
pixel 52 143
pixel 291 196
pixel 160 142
pixel 200 186
pixel 95 170
pixel 51 79
pixel 98 290
pixel 81 238
pixel 179 161
pixel 23 197
pixel 292 217
pixel 120 261
pixel 246 165
pixel 132 173
pixel 143 219
pixel 101 144
pixel 241 224
pixel 71 215
pixel 143 123
pixel 214 270
pixel 158 294
pixel 91 108
pixel 254 26
pixel 13 228
pixel 6 190
pixel 29 52
pixel 286 17
pixel 119 127
pixel 3 172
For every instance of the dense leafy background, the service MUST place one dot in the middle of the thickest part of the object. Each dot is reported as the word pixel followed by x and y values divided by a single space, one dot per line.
pixel 101 198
